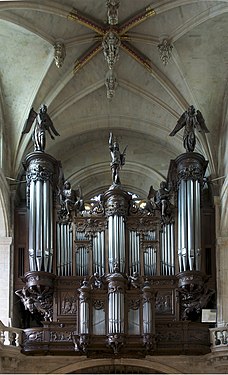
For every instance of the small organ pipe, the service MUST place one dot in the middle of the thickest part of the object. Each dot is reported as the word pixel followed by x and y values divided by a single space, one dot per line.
pixel 166 249
pixel 71 249
pixel 65 250
pixel 102 253
pixel 110 247
pixel 97 252
pixel 169 249
pixel 58 246
pixel 172 249
pixel 68 250
pixel 135 253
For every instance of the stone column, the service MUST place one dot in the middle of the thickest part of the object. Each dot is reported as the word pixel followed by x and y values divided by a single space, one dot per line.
pixel 5 279
pixel 221 212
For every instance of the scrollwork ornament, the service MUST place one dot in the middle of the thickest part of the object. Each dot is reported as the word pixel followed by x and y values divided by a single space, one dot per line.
pixel 38 173
pixel 192 172
pixel 114 287
pixel 98 304
pixel 117 208
pixel 134 304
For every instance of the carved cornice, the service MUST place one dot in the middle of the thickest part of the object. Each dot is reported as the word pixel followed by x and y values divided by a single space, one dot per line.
pixel 191 166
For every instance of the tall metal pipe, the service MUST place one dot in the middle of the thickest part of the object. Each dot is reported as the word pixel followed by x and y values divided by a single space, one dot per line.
pixel 39 225
pixel 191 168
pixel 190 218
pixel 179 232
pixel 197 227
pixel 32 227
pixel 50 227
pixel 183 224
pixel 46 224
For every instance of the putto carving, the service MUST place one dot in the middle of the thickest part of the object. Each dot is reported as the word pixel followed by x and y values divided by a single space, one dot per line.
pixel 43 123
pixel 194 294
pixel 96 281
pixel 71 200
pixel 34 301
pixel 160 199
pixel 61 336
pixel 190 120
pixel 69 305
pixel 116 342
pixel 163 303
pixel 135 281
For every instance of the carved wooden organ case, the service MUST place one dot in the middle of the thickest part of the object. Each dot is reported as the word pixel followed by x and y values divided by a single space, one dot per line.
pixel 115 277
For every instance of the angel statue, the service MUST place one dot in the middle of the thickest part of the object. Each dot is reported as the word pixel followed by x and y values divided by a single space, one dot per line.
pixel 118 159
pixel 190 119
pixel 42 123
pixel 71 199
pixel 159 199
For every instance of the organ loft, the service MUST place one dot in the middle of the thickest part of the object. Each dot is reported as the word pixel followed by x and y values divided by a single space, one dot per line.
pixel 119 274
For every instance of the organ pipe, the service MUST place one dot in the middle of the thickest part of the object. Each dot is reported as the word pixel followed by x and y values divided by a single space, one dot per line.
pixel 191 168
pixel 50 228
pixel 190 221
pixel 32 228
pixel 39 225
pixel 183 224
pixel 41 174
pixel 197 226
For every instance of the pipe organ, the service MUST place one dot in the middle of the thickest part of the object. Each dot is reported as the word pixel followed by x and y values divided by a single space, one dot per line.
pixel 117 276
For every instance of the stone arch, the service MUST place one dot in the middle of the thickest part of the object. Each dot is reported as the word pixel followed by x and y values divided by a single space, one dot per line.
pixel 89 366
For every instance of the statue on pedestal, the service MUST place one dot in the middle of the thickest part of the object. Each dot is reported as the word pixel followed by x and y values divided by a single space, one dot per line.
pixel 190 119
pixel 118 159
pixel 43 123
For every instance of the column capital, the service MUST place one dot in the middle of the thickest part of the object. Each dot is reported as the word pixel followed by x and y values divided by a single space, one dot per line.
pixel 222 241
pixel 6 241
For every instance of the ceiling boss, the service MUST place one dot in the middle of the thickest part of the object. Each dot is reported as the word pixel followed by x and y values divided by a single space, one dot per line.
pixel 110 38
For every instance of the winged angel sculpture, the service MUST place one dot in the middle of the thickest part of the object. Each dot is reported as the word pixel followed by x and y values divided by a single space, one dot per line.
pixel 43 123
pixel 191 120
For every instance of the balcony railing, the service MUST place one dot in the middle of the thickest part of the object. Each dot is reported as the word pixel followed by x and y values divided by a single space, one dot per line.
pixel 219 338
pixel 10 336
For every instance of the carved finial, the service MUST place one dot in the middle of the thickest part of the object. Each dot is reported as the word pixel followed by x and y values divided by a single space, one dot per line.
pixel 112 14
pixel 111 84
pixel 59 54
pixel 111 43
pixel 165 49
